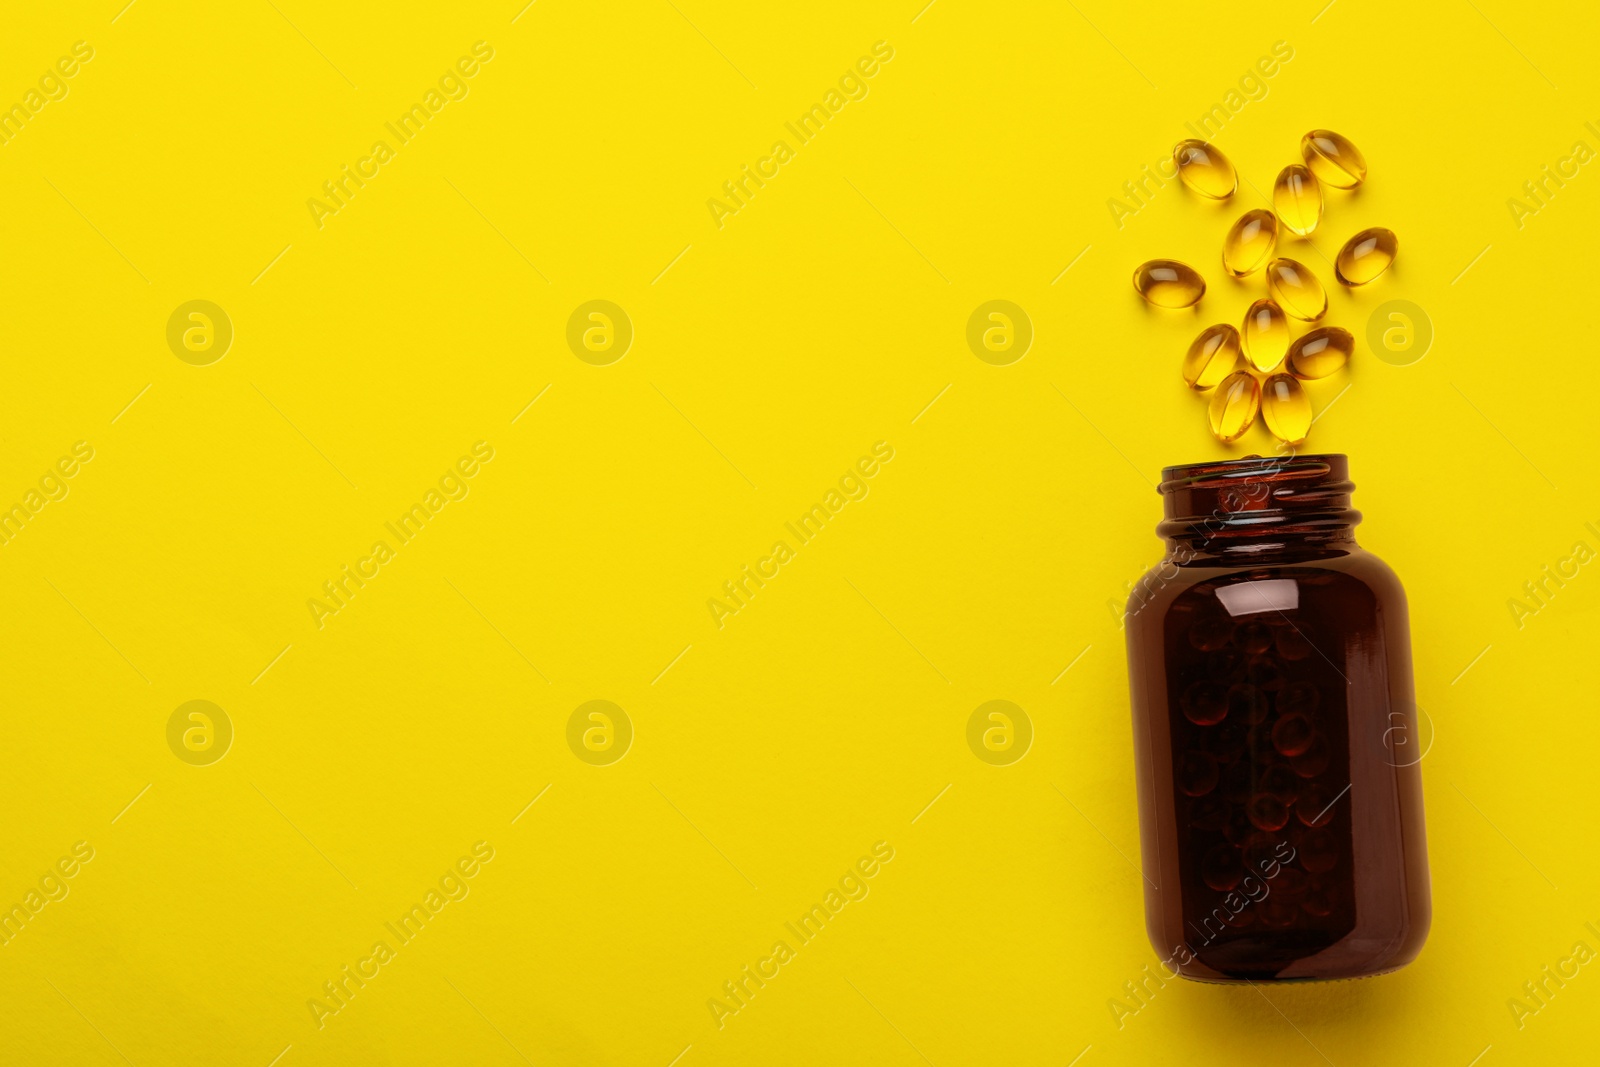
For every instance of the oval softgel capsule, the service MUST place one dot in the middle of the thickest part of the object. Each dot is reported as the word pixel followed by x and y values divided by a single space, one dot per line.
pixel 1333 159
pixel 1168 283
pixel 1234 405
pixel 1297 198
pixel 1320 352
pixel 1212 356
pixel 1204 169
pixel 1296 289
pixel 1365 256
pixel 1250 242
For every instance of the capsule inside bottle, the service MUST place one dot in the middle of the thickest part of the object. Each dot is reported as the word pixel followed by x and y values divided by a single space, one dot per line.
pixel 1297 198
pixel 1204 169
pixel 1365 256
pixel 1333 159
pixel 1285 408
pixel 1168 283
pixel 1320 352
pixel 1296 289
pixel 1212 356
pixel 1250 242
pixel 1234 405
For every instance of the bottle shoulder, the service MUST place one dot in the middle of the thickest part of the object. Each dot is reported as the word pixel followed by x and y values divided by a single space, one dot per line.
pixel 1357 571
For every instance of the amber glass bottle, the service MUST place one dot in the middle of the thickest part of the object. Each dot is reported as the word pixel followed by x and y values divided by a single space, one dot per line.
pixel 1275 742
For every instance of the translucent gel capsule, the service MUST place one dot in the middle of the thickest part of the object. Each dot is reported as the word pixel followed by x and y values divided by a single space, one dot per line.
pixel 1246 703
pixel 1301 698
pixel 1317 805
pixel 1297 198
pixel 1321 352
pixel 1208 635
pixel 1366 255
pixel 1280 781
pixel 1169 284
pixel 1279 912
pixel 1208 813
pixel 1286 410
pixel 1249 243
pixel 1292 645
pixel 1333 159
pixel 1234 405
pixel 1204 169
pixel 1212 356
pixel 1254 637
pixel 1293 734
pixel 1266 335
pixel 1197 774
pixel 1296 289
pixel 1313 761
pixel 1319 851
pixel 1205 703
pixel 1267 812
pixel 1220 868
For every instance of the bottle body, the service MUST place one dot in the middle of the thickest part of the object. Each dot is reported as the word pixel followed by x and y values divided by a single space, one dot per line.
pixel 1275 742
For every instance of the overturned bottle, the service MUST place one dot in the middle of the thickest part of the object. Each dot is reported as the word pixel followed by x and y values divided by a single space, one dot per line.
pixel 1276 738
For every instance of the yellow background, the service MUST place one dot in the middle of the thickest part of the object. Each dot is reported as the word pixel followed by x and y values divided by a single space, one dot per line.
pixel 769 354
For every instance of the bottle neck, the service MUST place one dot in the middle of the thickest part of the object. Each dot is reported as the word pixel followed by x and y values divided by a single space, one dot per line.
pixel 1258 508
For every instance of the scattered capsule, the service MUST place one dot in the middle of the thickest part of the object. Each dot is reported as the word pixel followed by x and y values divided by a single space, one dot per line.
pixel 1296 289
pixel 1286 410
pixel 1169 284
pixel 1266 335
pixel 1320 352
pixel 1250 242
pixel 1297 197
pixel 1212 357
pixel 1204 169
pixel 1234 405
pixel 1333 159
pixel 1365 256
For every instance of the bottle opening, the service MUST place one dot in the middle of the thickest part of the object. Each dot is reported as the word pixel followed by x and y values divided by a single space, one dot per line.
pixel 1258 502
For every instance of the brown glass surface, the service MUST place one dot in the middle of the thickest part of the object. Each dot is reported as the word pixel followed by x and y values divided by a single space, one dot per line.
pixel 1270 669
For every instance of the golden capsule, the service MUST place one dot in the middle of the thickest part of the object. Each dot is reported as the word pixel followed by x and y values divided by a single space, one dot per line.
pixel 1296 289
pixel 1297 197
pixel 1250 242
pixel 1365 256
pixel 1212 356
pixel 1285 408
pixel 1234 405
pixel 1266 335
pixel 1333 159
pixel 1320 352
pixel 1169 284
pixel 1204 169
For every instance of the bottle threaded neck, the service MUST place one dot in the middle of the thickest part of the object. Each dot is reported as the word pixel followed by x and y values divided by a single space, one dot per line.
pixel 1258 504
